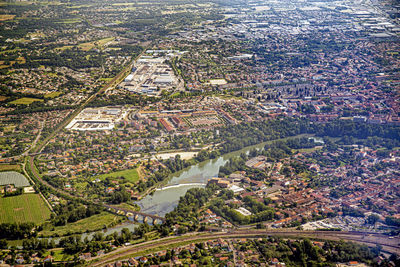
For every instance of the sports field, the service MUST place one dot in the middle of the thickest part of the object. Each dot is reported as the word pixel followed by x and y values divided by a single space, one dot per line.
pixel 23 208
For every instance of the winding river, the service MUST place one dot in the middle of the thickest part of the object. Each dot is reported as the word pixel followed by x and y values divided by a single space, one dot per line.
pixel 165 199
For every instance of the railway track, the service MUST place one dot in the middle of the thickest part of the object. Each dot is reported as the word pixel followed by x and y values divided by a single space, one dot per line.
pixel 389 245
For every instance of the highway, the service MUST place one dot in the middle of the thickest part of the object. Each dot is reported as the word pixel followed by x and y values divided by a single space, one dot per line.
pixel 388 245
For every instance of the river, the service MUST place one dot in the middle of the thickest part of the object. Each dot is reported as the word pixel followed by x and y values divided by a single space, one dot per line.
pixel 165 199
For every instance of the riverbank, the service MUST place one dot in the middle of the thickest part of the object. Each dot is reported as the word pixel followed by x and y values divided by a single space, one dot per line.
pixel 165 195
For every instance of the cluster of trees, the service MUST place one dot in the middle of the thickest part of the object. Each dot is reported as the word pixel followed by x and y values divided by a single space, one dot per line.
pixel 176 164
pixel 17 192
pixel 17 230
pixel 71 58
pixel 392 221
pixel 72 244
pixel 274 151
pixel 307 109
pixel 37 107
pixel 137 100
pixel 75 244
pixel 38 244
pixel 218 207
pixel 72 212
pixel 236 137
pixel 346 251
pixel 341 128
pixel 260 211
pixel 120 196
pixel 305 253
pixel 189 204
pixel 234 164
pixel 352 212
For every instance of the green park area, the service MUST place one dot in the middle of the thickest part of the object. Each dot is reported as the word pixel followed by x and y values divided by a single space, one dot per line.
pixel 58 255
pixel 131 175
pixel 93 223
pixel 23 208
pixel 52 95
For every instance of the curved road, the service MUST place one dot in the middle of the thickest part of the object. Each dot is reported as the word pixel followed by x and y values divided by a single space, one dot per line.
pixel 38 147
pixel 389 245
pixel 64 193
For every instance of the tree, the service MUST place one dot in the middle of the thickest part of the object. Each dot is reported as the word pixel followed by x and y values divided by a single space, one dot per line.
pixel 3 244
pixel 372 219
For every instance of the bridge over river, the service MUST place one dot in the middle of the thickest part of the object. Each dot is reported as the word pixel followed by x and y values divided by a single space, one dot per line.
pixel 136 215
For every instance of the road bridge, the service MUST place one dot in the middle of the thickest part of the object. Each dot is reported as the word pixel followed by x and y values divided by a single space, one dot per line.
pixel 117 210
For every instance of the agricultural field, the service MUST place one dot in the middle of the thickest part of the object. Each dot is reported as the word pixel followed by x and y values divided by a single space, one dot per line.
pixel 93 223
pixel 70 21
pixel 12 177
pixel 131 175
pixel 25 101
pixel 3 66
pixel 99 43
pixel 23 208
pixel 62 48
pixel 21 60
pixel 9 167
pixel 9 51
pixel 4 17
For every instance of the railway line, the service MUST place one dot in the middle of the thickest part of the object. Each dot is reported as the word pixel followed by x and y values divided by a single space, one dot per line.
pixel 388 245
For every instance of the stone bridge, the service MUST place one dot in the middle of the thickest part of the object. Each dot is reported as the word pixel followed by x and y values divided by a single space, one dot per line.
pixel 136 214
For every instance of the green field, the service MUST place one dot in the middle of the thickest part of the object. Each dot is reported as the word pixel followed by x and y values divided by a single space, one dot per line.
pixel 52 95
pixel 23 208
pixel 93 223
pixel 99 43
pixel 306 150
pixel 25 101
pixel 70 21
pixel 131 175
pixel 106 79
pixel 127 206
pixel 59 255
